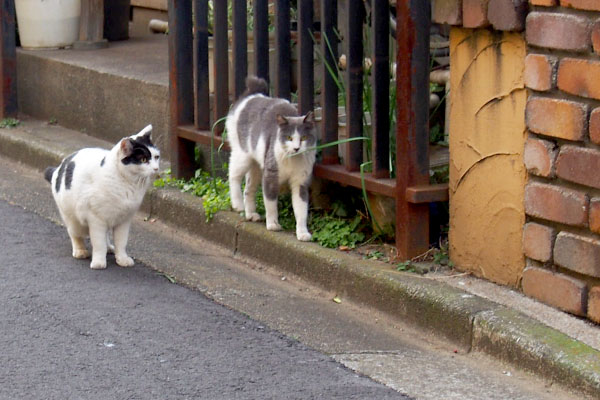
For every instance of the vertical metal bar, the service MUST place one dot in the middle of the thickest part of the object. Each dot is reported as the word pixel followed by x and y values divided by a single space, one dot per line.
pixel 380 73
pixel 329 90
pixel 412 134
pixel 283 52
pixel 306 72
pixel 8 61
pixel 354 84
pixel 240 46
pixel 202 90
pixel 221 66
pixel 181 85
pixel 261 39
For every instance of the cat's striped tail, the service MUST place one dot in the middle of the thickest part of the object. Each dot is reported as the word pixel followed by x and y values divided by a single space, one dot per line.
pixel 48 173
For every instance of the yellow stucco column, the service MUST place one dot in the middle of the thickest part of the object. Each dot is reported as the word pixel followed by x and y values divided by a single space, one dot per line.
pixel 487 136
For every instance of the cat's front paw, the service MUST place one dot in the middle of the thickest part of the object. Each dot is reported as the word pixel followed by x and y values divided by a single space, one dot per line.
pixel 303 236
pixel 253 217
pixel 80 253
pixel 273 226
pixel 96 264
pixel 237 205
pixel 125 261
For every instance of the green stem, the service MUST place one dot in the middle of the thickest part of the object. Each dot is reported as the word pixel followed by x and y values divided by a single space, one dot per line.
pixel 364 192
pixel 335 143
pixel 212 146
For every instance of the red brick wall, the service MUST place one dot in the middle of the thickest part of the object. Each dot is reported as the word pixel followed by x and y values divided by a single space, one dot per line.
pixel 561 239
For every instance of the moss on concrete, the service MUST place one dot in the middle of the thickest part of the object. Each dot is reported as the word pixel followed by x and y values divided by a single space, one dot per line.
pixel 518 339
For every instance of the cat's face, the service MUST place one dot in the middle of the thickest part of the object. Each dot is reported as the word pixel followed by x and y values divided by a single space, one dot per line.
pixel 296 134
pixel 138 154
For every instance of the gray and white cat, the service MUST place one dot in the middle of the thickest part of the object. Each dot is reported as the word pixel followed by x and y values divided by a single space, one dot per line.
pixel 268 138
pixel 98 191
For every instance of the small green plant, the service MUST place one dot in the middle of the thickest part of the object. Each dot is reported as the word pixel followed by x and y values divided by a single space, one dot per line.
pixel 405 266
pixel 213 190
pixel 441 256
pixel 9 123
pixel 440 174
pixel 375 255
pixel 333 232
pixel 52 121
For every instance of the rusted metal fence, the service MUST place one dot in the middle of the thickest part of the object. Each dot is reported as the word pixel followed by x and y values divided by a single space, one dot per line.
pixel 8 60
pixel 194 108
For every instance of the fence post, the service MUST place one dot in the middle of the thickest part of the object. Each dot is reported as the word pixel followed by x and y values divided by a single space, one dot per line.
pixel 354 84
pixel 201 50
pixel 329 90
pixel 181 85
pixel 412 134
pixel 261 39
pixel 380 72
pixel 306 73
pixel 8 61
pixel 239 46
pixel 221 66
pixel 283 52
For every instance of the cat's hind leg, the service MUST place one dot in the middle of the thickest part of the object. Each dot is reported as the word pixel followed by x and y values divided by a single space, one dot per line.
pixel 76 234
pixel 78 244
pixel 98 237
pixel 121 234
pixel 239 163
pixel 252 180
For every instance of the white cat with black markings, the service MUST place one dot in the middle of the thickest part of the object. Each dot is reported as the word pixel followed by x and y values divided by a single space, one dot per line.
pixel 98 191
pixel 269 142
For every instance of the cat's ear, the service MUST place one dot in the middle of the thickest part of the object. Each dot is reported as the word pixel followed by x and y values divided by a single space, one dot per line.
pixel 126 146
pixel 309 118
pixel 281 120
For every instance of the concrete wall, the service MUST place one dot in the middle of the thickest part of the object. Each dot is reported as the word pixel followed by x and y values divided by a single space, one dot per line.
pixel 487 136
pixel 103 93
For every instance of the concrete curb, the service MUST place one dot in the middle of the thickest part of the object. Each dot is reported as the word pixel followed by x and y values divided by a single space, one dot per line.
pixel 468 321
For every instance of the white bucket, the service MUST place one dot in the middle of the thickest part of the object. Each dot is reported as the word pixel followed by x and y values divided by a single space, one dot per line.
pixel 47 24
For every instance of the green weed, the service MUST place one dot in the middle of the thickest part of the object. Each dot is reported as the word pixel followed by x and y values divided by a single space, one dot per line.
pixel 331 229
pixel 441 256
pixel 332 232
pixel 405 266
pixel 214 191
pixel 9 123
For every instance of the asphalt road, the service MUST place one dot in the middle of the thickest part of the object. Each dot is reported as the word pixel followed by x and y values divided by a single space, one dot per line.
pixel 94 345
pixel 69 332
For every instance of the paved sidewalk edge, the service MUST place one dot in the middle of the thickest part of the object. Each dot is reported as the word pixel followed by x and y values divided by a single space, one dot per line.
pixel 469 321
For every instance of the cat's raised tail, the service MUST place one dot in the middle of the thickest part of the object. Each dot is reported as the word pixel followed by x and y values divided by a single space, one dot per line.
pixel 255 85
pixel 48 173
pixel 144 131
